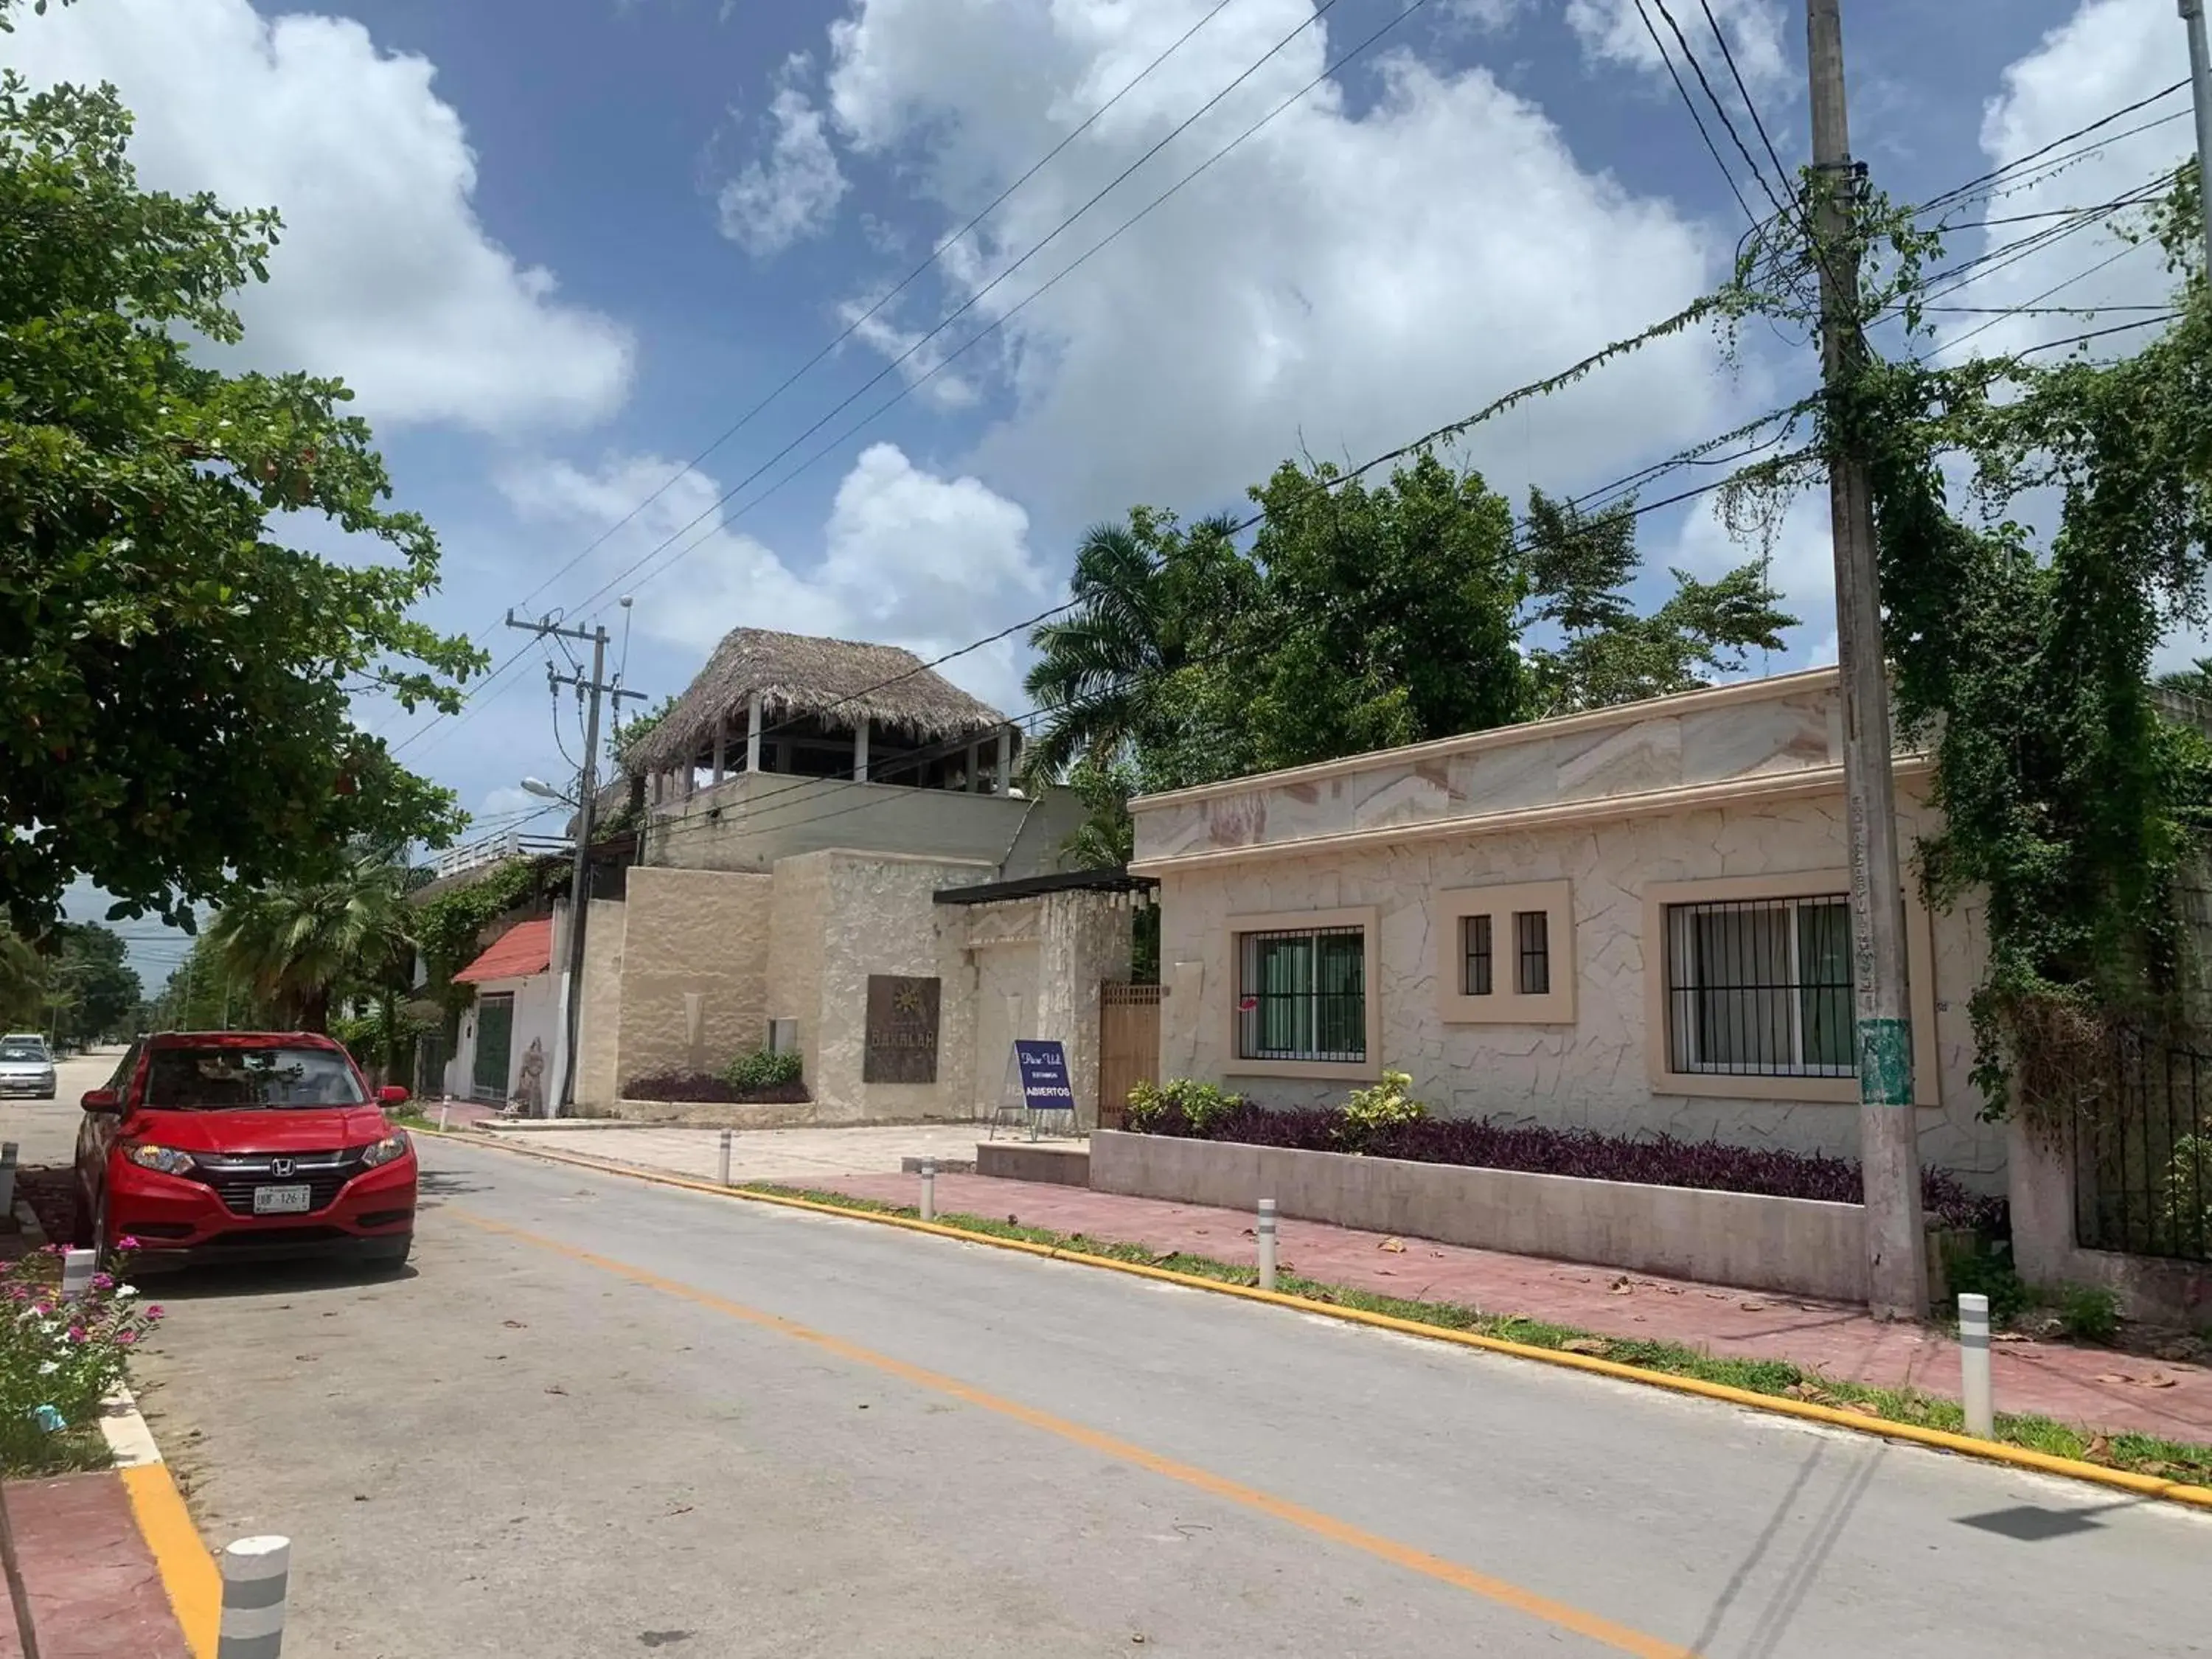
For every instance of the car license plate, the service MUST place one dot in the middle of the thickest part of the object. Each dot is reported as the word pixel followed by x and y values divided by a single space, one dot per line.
pixel 281 1201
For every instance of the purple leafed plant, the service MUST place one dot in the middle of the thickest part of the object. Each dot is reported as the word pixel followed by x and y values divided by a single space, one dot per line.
pixel 704 1088
pixel 1655 1160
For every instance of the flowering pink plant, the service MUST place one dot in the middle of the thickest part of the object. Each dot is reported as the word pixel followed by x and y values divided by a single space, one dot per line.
pixel 59 1359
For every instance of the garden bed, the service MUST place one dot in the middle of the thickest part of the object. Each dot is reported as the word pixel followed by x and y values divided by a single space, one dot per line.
pixel 1798 1246
pixel 1654 1160
pixel 706 1088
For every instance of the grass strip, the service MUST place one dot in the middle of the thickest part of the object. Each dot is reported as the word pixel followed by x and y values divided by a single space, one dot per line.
pixel 2140 1454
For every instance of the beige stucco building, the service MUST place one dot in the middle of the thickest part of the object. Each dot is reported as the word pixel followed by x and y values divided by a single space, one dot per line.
pixel 833 858
pixel 1631 920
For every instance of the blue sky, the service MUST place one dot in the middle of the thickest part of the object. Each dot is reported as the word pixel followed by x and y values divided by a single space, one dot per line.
pixel 560 246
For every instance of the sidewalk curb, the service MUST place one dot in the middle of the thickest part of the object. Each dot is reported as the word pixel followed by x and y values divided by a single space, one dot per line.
pixel 2143 1485
pixel 189 1574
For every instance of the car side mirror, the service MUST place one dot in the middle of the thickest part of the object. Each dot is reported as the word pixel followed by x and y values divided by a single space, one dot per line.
pixel 102 1100
pixel 392 1094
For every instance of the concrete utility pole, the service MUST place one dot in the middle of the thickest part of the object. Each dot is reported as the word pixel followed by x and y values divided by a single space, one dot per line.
pixel 562 1095
pixel 2200 83
pixel 1897 1267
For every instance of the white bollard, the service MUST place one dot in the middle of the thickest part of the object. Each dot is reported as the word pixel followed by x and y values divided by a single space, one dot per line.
pixel 7 1179
pixel 256 1573
pixel 929 1189
pixel 1974 1365
pixel 442 1109
pixel 77 1266
pixel 1267 1243
pixel 722 1160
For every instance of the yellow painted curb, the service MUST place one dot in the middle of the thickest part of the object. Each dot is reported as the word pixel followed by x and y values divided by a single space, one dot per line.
pixel 2145 1485
pixel 188 1572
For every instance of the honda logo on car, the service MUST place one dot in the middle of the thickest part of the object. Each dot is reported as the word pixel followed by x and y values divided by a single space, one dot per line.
pixel 279 1166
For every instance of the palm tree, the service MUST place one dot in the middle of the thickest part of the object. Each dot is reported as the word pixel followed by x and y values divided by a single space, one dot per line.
pixel 22 980
pixel 304 948
pixel 1149 599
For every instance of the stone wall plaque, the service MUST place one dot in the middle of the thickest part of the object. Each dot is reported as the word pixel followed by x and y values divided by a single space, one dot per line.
pixel 901 1033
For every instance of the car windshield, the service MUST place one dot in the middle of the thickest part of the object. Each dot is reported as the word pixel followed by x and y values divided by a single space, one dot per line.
pixel 21 1051
pixel 228 1078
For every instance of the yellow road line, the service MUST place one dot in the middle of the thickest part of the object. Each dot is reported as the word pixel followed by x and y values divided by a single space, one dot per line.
pixel 188 1572
pixel 1993 1451
pixel 1559 1614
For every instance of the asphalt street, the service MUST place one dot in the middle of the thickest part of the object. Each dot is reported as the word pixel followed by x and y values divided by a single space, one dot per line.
pixel 605 1417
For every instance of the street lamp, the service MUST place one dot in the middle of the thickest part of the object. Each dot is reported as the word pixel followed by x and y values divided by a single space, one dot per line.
pixel 544 791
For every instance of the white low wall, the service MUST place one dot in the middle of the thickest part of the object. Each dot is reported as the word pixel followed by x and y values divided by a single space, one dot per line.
pixel 1797 1245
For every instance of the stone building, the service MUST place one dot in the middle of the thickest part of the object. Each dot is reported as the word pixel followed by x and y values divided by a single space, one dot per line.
pixel 834 858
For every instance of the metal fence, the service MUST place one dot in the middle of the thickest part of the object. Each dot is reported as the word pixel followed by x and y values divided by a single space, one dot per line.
pixel 2143 1156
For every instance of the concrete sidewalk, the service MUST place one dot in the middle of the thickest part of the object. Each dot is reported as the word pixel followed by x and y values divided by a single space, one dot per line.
pixel 799 1156
pixel 95 1589
pixel 2110 1391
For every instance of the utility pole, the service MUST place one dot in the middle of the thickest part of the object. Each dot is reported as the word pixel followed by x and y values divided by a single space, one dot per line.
pixel 1889 1151
pixel 2200 83
pixel 562 1095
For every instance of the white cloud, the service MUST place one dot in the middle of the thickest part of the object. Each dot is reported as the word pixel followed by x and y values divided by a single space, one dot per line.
pixel 793 192
pixel 2108 53
pixel 909 557
pixel 1614 31
pixel 1344 281
pixel 1489 14
pixel 385 277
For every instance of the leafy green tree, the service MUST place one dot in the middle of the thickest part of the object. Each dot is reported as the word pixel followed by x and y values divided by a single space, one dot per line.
pixel 174 677
pixel 308 949
pixel 1577 568
pixel 97 988
pixel 1389 612
pixel 204 992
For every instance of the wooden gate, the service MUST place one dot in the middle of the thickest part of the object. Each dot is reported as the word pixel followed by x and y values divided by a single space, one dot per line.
pixel 1128 1045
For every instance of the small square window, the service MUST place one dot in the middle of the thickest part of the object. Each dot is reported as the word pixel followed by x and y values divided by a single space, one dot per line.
pixel 1532 948
pixel 1477 982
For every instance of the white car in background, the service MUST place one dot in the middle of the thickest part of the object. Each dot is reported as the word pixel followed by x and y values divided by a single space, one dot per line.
pixel 26 1069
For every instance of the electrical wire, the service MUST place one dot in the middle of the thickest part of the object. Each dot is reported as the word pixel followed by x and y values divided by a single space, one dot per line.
pixel 2019 161
pixel 1319 11
pixel 1690 104
pixel 1698 454
pixel 1720 112
pixel 857 323
pixel 1750 104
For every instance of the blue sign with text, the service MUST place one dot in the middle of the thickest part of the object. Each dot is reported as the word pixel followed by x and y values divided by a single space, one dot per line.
pixel 1043 1067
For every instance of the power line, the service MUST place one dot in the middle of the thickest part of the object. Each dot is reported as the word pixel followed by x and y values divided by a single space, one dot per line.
pixel 1690 104
pixel 1720 112
pixel 1012 311
pixel 1751 104
pixel 974 299
pixel 2019 161
pixel 2029 306
pixel 1697 454
pixel 857 323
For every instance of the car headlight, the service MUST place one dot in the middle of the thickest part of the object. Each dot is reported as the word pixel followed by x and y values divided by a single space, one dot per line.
pixel 393 1145
pixel 166 1159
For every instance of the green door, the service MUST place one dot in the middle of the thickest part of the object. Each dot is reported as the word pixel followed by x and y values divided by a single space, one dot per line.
pixel 494 1046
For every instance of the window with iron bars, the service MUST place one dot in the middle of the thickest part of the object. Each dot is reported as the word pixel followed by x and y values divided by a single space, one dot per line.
pixel 1760 988
pixel 1302 995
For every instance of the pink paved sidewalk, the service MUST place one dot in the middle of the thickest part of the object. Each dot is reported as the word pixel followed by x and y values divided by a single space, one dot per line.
pixel 95 1591
pixel 2110 1392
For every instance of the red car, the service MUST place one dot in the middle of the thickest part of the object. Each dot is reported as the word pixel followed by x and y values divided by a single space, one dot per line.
pixel 237 1146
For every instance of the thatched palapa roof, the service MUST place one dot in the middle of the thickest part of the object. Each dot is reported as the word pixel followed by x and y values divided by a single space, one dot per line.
pixel 799 677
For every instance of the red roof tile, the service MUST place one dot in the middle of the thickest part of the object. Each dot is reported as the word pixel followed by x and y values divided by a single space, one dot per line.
pixel 523 950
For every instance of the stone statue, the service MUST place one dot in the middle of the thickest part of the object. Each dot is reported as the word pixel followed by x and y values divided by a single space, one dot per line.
pixel 530 1086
